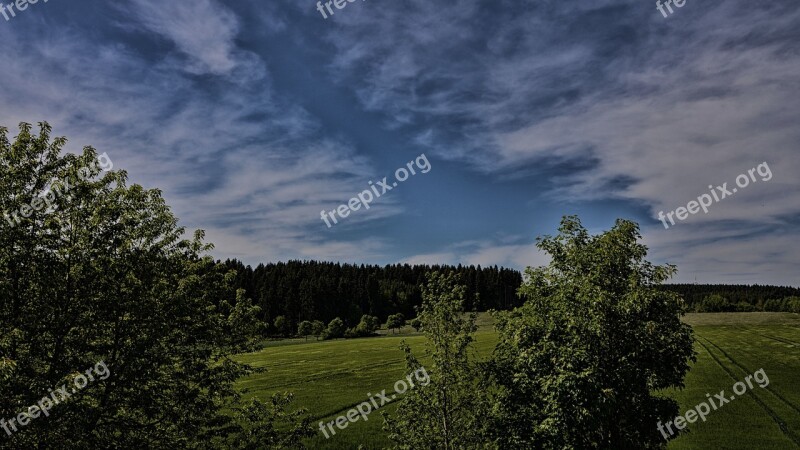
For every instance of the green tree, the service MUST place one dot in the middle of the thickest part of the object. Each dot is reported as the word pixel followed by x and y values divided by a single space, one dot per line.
pixel 416 324
pixel 583 362
pixel 282 326
pixel 449 412
pixel 395 322
pixel 335 329
pixel 281 429
pixel 368 325
pixel 305 328
pixel 103 273
pixel 715 303
pixel 317 328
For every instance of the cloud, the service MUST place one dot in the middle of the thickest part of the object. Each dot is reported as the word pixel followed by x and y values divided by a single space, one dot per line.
pixel 605 101
pixel 202 30
pixel 240 160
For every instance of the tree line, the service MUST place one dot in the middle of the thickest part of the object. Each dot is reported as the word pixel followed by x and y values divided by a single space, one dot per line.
pixel 737 298
pixel 300 291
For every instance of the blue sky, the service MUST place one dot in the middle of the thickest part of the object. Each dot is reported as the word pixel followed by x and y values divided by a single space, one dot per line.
pixel 254 116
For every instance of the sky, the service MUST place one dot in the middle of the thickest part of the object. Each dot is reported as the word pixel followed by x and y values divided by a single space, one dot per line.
pixel 254 116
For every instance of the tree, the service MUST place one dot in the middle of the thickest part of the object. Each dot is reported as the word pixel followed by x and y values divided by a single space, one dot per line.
pixel 368 325
pixel 102 273
pixel 416 324
pixel 395 322
pixel 449 412
pixel 335 329
pixel 715 303
pixel 269 425
pixel 305 328
pixel 581 364
pixel 317 328
pixel 282 326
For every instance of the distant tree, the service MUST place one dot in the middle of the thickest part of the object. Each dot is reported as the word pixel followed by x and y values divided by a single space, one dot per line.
pixel 715 303
pixel 282 326
pixel 317 328
pixel 335 329
pixel 395 322
pixel 368 325
pixel 305 328
pixel 450 411
pixel 416 324
pixel 582 363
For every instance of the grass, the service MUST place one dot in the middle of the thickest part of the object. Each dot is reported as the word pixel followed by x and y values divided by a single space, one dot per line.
pixel 329 378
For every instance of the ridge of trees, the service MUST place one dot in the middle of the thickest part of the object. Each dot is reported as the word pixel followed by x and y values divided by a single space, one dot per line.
pixel 316 290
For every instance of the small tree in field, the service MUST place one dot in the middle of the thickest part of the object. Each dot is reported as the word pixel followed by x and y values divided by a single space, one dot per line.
pixel 317 328
pixel 395 322
pixel 282 326
pixel 368 325
pixel 335 329
pixel 449 412
pixel 582 363
pixel 305 328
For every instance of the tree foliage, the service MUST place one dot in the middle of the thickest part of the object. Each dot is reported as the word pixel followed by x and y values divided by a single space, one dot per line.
pixel 582 363
pixel 335 329
pixel 104 273
pixel 449 412
pixel 395 322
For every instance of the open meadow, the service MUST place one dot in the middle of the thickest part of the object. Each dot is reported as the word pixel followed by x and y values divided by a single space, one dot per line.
pixel 329 378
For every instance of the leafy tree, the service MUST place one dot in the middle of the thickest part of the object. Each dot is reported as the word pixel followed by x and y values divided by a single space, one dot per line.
pixel 305 328
pixel 269 425
pixel 317 328
pixel 715 303
pixel 449 412
pixel 416 324
pixel 335 329
pixel 103 273
pixel 368 325
pixel 582 363
pixel 395 322
pixel 282 326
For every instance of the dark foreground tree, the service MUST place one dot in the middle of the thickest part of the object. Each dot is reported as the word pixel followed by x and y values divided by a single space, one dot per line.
pixel 582 363
pixel 94 271
pixel 450 411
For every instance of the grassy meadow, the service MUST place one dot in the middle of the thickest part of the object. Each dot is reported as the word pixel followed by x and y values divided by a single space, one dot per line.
pixel 328 378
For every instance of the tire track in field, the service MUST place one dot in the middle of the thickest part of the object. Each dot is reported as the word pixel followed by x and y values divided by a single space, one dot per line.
pixel 327 375
pixel 782 425
pixel 748 372
pixel 785 341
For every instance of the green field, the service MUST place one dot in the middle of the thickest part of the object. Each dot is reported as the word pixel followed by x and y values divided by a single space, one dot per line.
pixel 328 378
